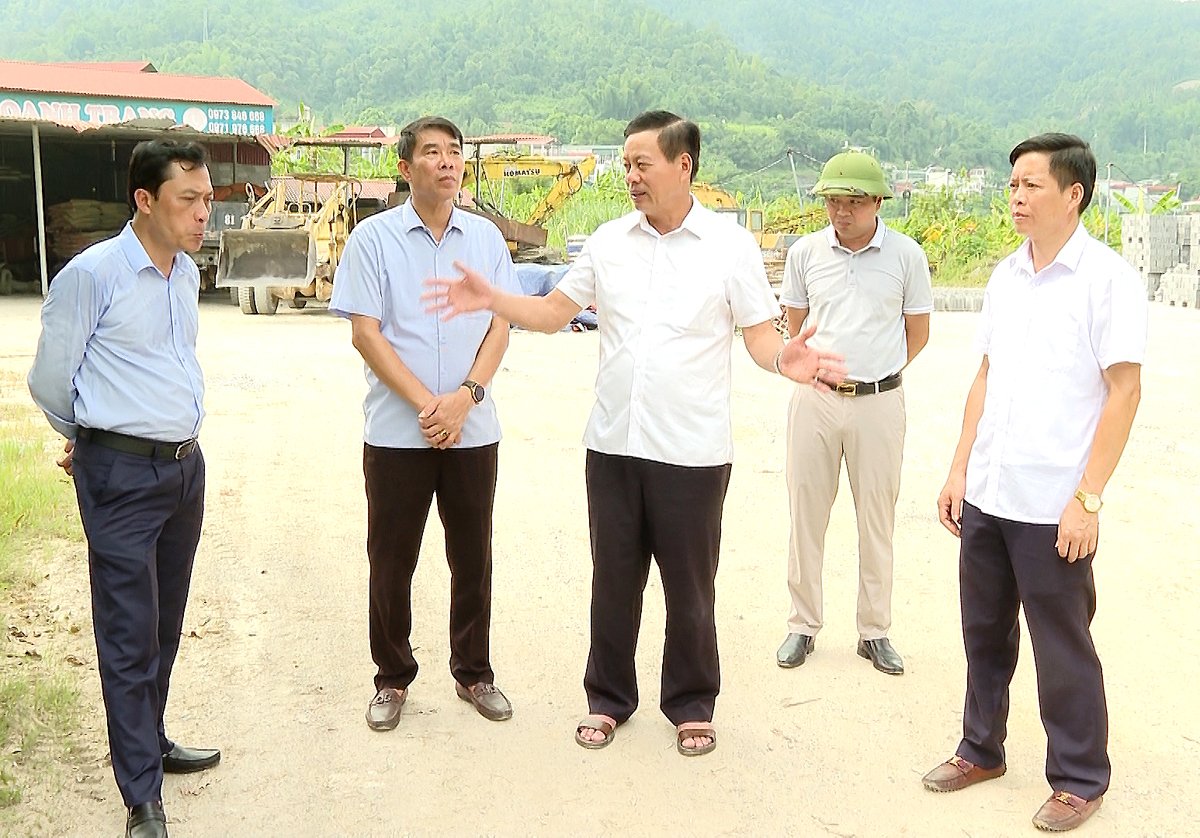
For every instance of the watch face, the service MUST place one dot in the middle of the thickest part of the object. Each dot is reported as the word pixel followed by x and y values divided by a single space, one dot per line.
pixel 1091 503
pixel 477 393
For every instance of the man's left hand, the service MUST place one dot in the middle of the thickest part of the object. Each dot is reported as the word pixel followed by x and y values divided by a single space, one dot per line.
pixel 806 365
pixel 67 463
pixel 443 418
pixel 1078 532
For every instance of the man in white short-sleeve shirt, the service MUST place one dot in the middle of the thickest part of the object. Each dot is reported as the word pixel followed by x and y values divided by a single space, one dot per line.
pixel 1063 334
pixel 868 287
pixel 670 281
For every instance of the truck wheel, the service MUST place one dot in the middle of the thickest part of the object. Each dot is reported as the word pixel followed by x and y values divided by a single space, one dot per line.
pixel 264 300
pixel 297 302
pixel 245 299
pixel 233 296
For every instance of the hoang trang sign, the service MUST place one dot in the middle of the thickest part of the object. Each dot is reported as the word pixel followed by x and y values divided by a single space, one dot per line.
pixel 223 118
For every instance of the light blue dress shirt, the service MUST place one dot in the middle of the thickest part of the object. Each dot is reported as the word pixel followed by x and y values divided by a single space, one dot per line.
pixel 382 275
pixel 118 345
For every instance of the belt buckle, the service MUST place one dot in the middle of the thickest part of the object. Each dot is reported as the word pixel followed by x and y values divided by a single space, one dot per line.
pixel 847 388
pixel 184 448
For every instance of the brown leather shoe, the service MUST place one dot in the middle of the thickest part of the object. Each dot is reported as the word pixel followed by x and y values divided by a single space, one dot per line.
pixel 383 713
pixel 957 773
pixel 1065 811
pixel 488 700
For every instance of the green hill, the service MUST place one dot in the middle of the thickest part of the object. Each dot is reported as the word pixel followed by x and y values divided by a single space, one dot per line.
pixel 925 82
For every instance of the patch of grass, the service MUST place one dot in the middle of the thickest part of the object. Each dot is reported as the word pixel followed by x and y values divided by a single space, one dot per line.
pixel 32 707
pixel 36 499
pixel 36 506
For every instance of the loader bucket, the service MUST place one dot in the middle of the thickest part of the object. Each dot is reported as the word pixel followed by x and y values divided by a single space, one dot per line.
pixel 266 258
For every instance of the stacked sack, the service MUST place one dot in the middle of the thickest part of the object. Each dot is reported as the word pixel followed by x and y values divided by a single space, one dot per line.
pixel 75 225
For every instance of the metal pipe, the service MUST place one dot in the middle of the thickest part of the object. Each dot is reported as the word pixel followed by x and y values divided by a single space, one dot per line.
pixel 41 207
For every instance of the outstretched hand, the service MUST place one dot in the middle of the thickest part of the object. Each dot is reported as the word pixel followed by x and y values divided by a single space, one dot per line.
pixel 452 297
pixel 806 365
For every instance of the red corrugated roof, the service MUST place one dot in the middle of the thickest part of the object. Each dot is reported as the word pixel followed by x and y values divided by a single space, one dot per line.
pixel 119 66
pixel 27 76
pixel 371 131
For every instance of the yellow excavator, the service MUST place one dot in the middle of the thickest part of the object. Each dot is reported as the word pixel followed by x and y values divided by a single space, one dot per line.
pixel 773 245
pixel 486 177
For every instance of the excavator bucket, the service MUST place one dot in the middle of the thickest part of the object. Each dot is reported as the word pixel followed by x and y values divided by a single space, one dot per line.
pixel 266 257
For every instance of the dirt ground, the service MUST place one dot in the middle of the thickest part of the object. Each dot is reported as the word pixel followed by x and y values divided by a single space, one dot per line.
pixel 275 670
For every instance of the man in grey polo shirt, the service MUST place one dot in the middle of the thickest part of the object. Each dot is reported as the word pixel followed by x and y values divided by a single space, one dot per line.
pixel 431 426
pixel 868 287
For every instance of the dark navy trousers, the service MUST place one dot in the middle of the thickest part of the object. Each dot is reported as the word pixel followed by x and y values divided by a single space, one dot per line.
pixel 142 519
pixel 1004 566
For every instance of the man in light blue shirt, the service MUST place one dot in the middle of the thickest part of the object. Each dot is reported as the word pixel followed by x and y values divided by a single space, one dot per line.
pixel 116 374
pixel 431 427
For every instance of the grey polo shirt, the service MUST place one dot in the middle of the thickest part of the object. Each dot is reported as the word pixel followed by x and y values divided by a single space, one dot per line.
pixel 858 300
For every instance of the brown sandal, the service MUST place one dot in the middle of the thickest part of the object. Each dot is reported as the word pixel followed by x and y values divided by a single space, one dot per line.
pixel 695 732
pixel 594 723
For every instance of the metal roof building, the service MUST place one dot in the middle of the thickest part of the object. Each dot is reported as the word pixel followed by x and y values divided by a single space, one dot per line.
pixel 67 131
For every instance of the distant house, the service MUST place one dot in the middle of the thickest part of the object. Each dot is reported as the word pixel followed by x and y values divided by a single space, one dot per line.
pixel 362 132
pixel 1145 193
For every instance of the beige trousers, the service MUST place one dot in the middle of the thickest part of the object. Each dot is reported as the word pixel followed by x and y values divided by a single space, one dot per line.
pixel 868 432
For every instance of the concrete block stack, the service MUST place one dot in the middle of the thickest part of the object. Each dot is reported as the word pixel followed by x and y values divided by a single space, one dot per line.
pixel 1180 286
pixel 1151 243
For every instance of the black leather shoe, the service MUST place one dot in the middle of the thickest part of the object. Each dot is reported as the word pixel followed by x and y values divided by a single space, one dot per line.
pixel 881 653
pixel 183 760
pixel 795 650
pixel 146 820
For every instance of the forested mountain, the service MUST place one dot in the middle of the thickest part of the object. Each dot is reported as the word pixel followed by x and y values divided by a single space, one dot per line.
pixel 1125 74
pixel 927 82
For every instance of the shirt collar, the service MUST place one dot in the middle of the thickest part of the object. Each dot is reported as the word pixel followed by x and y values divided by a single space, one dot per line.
pixel 698 221
pixel 875 242
pixel 1069 255
pixel 412 221
pixel 135 252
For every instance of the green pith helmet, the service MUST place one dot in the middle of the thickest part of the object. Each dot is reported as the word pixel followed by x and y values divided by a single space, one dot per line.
pixel 853 173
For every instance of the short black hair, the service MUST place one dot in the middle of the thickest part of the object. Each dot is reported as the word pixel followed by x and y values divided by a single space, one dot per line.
pixel 1071 161
pixel 675 134
pixel 150 164
pixel 408 134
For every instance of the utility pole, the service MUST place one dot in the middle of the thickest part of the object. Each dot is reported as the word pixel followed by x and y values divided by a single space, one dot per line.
pixel 1108 202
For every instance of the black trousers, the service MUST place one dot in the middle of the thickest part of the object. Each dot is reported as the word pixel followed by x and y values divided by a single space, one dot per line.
pixel 142 519
pixel 1003 566
pixel 638 509
pixel 401 484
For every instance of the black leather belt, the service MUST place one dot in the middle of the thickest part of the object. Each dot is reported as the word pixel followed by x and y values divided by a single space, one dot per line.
pixel 867 388
pixel 136 445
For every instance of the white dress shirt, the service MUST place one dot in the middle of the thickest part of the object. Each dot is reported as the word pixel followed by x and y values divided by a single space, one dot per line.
pixel 667 307
pixel 1048 337
pixel 381 275
pixel 118 345
pixel 859 299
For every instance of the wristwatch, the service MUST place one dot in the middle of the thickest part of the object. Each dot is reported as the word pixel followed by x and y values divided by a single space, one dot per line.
pixel 476 390
pixel 1091 503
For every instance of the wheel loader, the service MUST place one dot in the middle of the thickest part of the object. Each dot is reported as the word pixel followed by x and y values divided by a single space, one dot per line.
pixel 289 248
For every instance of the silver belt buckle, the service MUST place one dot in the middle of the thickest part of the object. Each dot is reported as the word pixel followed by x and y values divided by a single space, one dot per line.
pixel 184 449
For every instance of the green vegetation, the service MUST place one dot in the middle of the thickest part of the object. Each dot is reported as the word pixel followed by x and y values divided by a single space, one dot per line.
pixel 35 507
pixel 948 82
pixel 963 236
